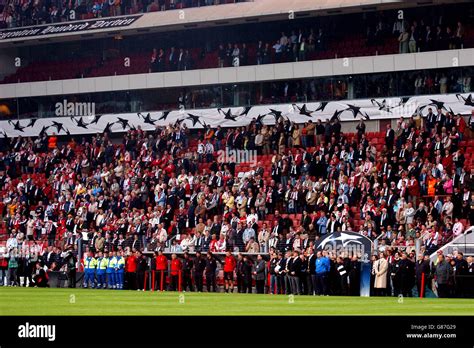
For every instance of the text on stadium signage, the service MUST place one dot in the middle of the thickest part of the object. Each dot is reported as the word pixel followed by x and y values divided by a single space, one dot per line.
pixel 68 28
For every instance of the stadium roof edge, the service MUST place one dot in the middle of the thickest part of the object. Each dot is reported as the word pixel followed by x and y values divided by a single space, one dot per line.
pixel 232 14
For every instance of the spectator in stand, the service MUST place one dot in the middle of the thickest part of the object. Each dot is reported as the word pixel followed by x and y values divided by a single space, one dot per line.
pixel 404 41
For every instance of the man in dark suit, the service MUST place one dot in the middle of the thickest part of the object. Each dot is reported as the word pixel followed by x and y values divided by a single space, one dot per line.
pixel 353 195
pixel 142 266
pixel 280 272
pixel 295 269
pixel 168 216
pixel 187 270
pixel 389 137
pixel 250 201
pixel 287 272
pixel 384 219
pixel 403 156
pixel 440 121
pixel 311 270
pixel 51 232
pixel 470 278
pixel 211 267
pixel 260 268
pixel 407 275
pixel 199 267
pixel 70 223
pixel 215 227
pixel 172 60
pixel 460 273
pixel 333 224
pixel 136 244
pixel 391 199
pixel 212 181
pixel 430 120
pixel 422 270
pixel 247 275
pixel 277 228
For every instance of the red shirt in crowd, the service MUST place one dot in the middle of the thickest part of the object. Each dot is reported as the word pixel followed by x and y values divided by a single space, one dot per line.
pixel 161 263
pixel 131 264
pixel 229 264
pixel 176 266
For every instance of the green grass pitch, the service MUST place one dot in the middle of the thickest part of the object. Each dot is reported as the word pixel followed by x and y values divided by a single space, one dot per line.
pixel 39 302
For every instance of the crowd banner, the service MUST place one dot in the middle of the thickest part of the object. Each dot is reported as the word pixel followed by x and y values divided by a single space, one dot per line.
pixel 349 244
pixel 67 28
pixel 76 118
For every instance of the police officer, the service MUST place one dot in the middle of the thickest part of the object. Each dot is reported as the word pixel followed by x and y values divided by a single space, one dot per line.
pixel 101 269
pixel 111 264
pixel 199 267
pixel 89 269
pixel 119 270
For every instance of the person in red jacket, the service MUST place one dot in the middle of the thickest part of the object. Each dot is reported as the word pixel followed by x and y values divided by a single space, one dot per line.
pixel 229 267
pixel 161 270
pixel 131 272
pixel 176 267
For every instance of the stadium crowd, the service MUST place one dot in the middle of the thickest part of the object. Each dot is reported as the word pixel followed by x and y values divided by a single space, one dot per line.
pixel 25 13
pixel 96 200
pixel 296 45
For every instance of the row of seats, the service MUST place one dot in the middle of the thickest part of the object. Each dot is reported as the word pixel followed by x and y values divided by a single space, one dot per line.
pixel 139 62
